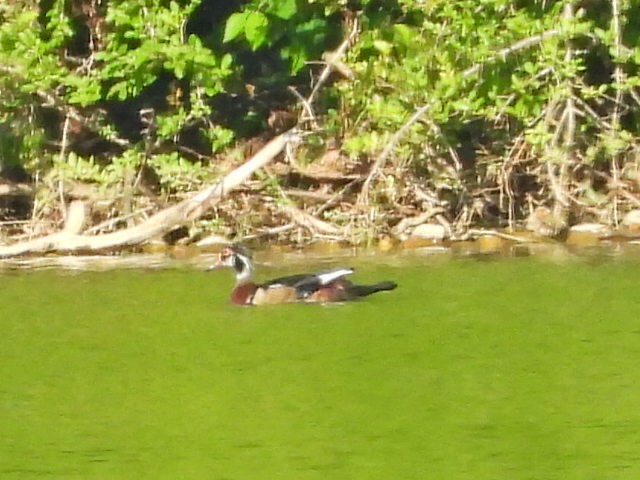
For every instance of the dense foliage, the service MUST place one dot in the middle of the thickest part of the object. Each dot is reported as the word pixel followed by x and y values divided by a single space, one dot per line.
pixel 520 103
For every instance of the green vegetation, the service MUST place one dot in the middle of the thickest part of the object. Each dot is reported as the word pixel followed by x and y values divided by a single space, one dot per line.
pixel 479 110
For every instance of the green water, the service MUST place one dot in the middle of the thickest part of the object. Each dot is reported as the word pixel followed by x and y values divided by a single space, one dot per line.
pixel 515 369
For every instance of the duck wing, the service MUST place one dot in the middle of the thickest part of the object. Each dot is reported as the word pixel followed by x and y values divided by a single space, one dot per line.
pixel 316 281
pixel 307 283
pixel 288 281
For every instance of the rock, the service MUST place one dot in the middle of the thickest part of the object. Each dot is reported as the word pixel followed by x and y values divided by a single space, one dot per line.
pixel 546 223
pixel 490 243
pixel 213 243
pixel 386 244
pixel 586 234
pixel 155 246
pixel 464 248
pixel 183 252
pixel 417 242
pixel 521 250
pixel 430 231
pixel 278 249
pixel 632 220
pixel 582 239
pixel 325 247
pixel 593 228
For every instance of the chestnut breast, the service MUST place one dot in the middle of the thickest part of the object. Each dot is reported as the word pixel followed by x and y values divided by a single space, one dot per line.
pixel 242 294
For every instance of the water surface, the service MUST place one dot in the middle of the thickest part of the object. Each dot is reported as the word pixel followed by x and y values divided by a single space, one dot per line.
pixel 515 369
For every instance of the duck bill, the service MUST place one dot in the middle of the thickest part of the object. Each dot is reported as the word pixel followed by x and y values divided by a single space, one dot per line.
pixel 216 266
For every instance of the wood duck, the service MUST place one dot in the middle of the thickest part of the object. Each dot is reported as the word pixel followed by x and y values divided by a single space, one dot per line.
pixel 320 287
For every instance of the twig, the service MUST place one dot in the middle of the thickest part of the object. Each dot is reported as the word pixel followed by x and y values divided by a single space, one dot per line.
pixel 619 76
pixel 330 66
pixel 555 141
pixel 506 188
pixel 14 222
pixel 317 196
pixel 311 223
pixel 503 53
pixel 307 108
pixel 634 95
pixel 556 187
pixel 438 131
pixel 34 208
pixel 63 154
pixel 271 231
pixel 363 198
pixel 338 196
pixel 409 222
pixel 513 96
pixel 629 196
pixel 302 218
pixel 110 223
pixel 570 123
pixel 570 118
pixel 588 110
pixel 495 233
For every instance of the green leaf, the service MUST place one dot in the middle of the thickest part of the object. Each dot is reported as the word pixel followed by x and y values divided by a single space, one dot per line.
pixel 296 55
pixel 179 69
pixel 236 24
pixel 118 90
pixel 284 9
pixel 382 46
pixel 256 29
pixel 226 61
pixel 403 34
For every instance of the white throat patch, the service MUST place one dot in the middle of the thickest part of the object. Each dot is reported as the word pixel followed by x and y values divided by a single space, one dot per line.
pixel 244 273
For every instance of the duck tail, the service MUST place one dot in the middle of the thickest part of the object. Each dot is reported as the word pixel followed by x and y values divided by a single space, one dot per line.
pixel 364 290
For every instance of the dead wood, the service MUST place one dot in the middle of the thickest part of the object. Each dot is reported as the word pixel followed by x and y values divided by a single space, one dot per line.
pixel 186 211
pixel 310 222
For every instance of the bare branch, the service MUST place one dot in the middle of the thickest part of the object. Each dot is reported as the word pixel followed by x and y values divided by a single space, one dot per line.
pixel 389 147
pixel 332 60
pixel 503 53
pixel 619 77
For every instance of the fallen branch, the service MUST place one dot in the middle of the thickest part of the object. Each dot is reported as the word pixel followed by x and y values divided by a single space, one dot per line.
pixel 410 222
pixel 303 219
pixel 112 222
pixel 494 233
pixel 270 232
pixel 161 222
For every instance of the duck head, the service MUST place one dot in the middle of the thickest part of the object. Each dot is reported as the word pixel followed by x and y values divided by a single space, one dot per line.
pixel 238 258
